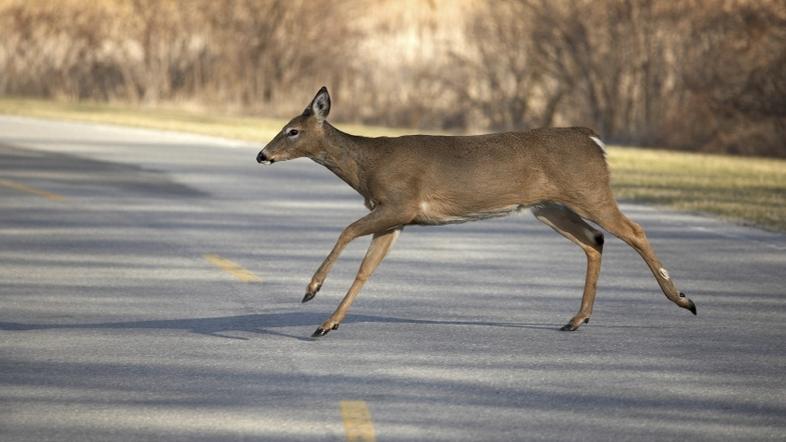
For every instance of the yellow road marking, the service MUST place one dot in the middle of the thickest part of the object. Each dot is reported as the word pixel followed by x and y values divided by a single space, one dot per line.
pixel 231 267
pixel 24 188
pixel 357 421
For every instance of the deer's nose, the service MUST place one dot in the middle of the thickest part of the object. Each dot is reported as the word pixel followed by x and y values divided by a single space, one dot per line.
pixel 261 157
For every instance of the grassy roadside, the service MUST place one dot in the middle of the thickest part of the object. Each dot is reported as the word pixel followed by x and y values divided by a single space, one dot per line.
pixel 749 191
pixel 201 122
pixel 745 190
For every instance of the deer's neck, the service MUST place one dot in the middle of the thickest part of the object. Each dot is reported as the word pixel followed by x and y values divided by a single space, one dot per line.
pixel 347 156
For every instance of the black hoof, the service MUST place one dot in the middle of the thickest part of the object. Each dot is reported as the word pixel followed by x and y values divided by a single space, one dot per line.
pixel 691 306
pixel 323 331
pixel 320 332
pixel 310 295
pixel 568 327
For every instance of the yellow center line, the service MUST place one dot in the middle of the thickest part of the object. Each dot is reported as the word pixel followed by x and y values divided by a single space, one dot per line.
pixel 25 188
pixel 357 421
pixel 231 267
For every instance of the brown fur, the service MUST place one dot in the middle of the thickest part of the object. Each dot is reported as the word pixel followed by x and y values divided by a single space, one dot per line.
pixel 561 173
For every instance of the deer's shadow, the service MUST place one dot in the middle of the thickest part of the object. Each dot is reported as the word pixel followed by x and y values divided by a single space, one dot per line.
pixel 263 323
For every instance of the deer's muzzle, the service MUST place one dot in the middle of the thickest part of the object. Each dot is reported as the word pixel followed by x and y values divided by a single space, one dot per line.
pixel 262 158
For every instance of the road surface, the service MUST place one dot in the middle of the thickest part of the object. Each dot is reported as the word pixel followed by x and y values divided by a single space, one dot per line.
pixel 125 314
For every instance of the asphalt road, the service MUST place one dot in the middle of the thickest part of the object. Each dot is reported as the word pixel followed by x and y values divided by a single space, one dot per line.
pixel 114 325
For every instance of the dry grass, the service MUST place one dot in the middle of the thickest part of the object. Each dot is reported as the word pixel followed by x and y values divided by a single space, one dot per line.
pixel 166 118
pixel 745 190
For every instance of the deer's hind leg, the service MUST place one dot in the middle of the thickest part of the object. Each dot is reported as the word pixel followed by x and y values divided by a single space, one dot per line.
pixel 571 226
pixel 610 218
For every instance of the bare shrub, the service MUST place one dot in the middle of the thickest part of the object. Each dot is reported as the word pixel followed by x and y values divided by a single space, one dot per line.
pixel 695 74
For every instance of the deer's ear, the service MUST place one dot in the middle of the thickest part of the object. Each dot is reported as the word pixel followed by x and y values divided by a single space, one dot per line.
pixel 320 105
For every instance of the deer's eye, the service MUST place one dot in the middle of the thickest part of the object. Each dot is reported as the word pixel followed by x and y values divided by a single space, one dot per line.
pixel 292 132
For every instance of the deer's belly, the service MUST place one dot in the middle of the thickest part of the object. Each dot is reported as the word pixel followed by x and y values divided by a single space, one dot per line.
pixel 435 214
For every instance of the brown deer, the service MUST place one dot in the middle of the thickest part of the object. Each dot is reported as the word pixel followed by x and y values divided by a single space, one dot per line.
pixel 559 173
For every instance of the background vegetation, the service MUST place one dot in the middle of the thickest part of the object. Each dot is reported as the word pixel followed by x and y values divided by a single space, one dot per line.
pixel 705 75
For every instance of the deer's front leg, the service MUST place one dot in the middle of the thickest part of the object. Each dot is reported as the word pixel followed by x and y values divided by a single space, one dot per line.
pixel 379 220
pixel 377 250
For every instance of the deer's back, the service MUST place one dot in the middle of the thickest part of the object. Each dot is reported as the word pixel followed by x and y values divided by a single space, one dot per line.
pixel 486 174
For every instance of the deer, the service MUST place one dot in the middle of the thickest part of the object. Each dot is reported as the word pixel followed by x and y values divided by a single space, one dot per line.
pixel 560 174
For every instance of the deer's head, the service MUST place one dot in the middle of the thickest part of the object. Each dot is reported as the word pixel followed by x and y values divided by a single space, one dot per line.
pixel 302 136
